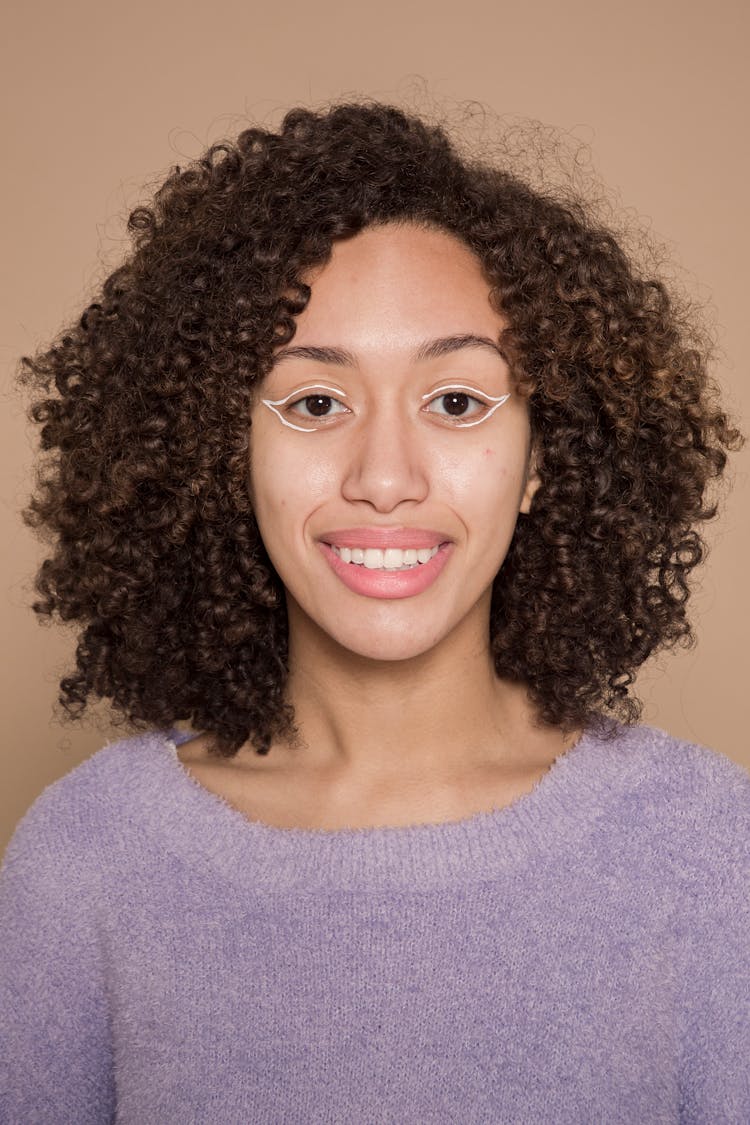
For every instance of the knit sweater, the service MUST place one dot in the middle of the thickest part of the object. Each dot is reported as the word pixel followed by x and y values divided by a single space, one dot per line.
pixel 579 956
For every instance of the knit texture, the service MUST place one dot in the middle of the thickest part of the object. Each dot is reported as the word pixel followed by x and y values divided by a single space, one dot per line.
pixel 582 955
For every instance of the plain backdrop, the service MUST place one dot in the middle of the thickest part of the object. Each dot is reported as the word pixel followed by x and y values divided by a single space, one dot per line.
pixel 102 99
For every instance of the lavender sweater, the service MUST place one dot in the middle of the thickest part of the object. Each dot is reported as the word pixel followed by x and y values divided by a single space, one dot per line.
pixel 581 956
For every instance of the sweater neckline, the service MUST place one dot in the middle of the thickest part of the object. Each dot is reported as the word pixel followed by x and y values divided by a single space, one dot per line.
pixel 204 828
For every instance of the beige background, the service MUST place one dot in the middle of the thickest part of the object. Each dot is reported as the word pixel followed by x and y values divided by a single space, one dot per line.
pixel 102 98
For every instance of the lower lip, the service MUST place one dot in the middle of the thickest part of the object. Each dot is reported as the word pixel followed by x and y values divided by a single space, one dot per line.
pixel 387 583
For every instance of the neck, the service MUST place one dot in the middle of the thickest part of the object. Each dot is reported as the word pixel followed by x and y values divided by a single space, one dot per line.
pixel 441 713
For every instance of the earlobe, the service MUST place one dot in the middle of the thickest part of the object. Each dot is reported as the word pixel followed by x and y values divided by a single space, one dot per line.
pixel 532 483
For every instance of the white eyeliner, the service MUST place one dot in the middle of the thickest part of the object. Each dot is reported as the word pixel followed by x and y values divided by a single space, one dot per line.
pixel 273 403
pixel 453 387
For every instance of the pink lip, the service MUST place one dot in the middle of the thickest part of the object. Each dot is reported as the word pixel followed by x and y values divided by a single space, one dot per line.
pixel 387 583
pixel 384 537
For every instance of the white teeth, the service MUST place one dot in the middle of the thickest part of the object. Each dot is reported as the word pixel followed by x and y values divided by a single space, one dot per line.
pixel 392 558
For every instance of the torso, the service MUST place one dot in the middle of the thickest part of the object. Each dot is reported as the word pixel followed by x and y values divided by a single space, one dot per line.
pixel 278 797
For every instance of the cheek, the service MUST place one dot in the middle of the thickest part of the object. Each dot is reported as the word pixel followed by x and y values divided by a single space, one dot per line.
pixel 287 483
pixel 478 477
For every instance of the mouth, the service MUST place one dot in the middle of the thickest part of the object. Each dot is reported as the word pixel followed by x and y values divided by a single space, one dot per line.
pixel 389 572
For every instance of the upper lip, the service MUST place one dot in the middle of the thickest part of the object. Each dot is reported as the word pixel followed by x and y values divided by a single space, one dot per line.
pixel 384 537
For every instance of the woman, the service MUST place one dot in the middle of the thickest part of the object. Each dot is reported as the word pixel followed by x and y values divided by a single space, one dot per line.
pixel 381 471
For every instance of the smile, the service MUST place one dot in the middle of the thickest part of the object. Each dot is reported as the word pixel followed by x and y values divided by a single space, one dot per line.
pixel 392 558
pixel 387 573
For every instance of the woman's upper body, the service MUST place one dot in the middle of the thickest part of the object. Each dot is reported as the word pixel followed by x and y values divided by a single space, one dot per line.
pixel 382 470
pixel 581 954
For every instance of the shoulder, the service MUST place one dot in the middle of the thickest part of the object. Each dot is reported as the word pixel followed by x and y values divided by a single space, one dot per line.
pixel 692 801
pixel 683 806
pixel 695 776
pixel 676 768
pixel 89 808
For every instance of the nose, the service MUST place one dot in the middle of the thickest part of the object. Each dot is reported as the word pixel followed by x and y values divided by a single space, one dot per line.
pixel 386 462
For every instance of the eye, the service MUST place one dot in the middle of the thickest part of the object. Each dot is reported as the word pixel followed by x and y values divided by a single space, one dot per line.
pixel 316 406
pixel 456 404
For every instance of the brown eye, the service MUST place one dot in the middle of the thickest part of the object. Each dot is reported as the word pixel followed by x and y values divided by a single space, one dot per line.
pixel 316 406
pixel 456 404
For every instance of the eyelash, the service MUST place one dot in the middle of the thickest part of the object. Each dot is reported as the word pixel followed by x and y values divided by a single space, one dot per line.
pixel 443 393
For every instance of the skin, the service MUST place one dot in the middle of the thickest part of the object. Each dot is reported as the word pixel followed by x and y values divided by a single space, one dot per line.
pixel 401 714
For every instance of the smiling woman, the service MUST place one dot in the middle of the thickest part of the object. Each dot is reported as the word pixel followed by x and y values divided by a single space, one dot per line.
pixel 383 473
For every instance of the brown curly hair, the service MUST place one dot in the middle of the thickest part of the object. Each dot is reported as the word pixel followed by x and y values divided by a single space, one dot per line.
pixel 144 406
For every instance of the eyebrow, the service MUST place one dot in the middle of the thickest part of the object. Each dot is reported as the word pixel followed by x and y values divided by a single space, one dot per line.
pixel 430 349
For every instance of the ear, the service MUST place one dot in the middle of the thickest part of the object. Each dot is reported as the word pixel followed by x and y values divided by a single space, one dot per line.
pixel 532 483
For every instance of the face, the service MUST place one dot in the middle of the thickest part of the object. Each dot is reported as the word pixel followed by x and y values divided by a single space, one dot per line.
pixel 389 452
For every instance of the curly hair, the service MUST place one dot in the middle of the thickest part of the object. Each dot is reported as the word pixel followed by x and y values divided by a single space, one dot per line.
pixel 144 408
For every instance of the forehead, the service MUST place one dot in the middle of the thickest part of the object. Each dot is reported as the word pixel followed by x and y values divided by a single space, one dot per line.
pixel 393 285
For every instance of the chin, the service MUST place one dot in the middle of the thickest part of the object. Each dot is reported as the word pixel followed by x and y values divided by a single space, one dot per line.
pixel 378 630
pixel 382 646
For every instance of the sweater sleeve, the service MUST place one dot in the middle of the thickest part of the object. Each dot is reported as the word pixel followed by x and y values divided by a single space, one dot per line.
pixel 55 1056
pixel 714 927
